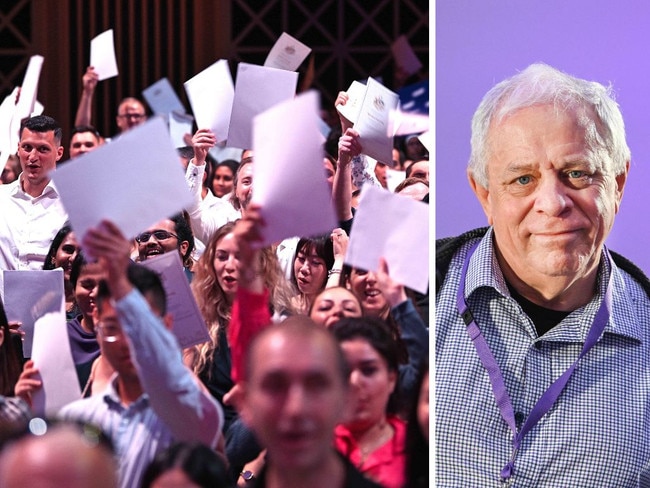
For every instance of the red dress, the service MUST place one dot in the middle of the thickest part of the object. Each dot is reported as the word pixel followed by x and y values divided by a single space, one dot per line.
pixel 385 465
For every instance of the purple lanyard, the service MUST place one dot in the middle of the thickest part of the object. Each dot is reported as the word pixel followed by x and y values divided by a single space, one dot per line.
pixel 501 396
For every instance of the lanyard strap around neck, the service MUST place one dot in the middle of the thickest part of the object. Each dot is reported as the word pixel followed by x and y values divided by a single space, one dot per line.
pixel 548 398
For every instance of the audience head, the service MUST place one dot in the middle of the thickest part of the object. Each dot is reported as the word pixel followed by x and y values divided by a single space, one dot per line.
pixel 419 169
pixel 329 163
pixel 84 138
pixel 295 393
pixel 187 465
pixel 185 153
pixel 243 185
pixel 172 234
pixel 130 112
pixel 314 257
pixel 223 177
pixel 363 284
pixel 85 278
pixel 372 356
pixel 415 188
pixel 11 171
pixel 39 148
pixel 66 454
pixel 62 252
pixel 112 341
pixel 414 149
pixel 332 304
pixel 380 174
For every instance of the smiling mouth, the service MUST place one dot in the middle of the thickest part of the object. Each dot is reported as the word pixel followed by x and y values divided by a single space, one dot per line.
pixel 153 252
pixel 372 293
pixel 229 280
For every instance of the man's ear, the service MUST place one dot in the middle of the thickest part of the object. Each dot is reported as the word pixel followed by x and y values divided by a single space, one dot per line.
pixel 183 247
pixel 59 153
pixel 483 195
pixel 620 185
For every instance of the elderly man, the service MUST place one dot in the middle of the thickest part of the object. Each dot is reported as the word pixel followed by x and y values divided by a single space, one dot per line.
pixel 31 211
pixel 542 343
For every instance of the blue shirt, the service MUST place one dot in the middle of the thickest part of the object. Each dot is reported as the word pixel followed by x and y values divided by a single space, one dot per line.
pixel 174 408
pixel 594 435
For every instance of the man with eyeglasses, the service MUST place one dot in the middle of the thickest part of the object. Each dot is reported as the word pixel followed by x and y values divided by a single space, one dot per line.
pixel 153 400
pixel 173 234
pixel 130 112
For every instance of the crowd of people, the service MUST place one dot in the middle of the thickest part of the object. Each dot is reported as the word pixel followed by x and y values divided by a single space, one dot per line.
pixel 315 373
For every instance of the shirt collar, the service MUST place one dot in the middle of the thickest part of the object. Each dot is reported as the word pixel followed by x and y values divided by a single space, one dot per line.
pixel 49 190
pixel 484 271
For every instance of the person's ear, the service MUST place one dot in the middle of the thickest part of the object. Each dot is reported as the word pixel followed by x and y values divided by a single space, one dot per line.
pixel 59 153
pixel 483 195
pixel 183 247
pixel 620 185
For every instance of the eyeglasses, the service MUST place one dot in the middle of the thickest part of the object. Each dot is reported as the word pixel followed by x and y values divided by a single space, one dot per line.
pixel 110 332
pixel 131 116
pixel 160 235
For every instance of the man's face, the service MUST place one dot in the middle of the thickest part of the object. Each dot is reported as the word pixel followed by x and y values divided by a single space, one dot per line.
pixel 113 343
pixel 420 170
pixel 129 114
pixel 244 189
pixel 294 398
pixel 161 238
pixel 551 200
pixel 82 142
pixel 38 153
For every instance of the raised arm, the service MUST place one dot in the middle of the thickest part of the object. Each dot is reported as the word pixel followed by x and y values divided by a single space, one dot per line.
pixel 189 412
pixel 84 111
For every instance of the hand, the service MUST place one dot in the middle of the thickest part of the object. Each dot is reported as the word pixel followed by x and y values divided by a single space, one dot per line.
pixel 90 79
pixel 15 328
pixel 28 383
pixel 393 291
pixel 106 243
pixel 202 141
pixel 341 99
pixel 234 397
pixel 340 242
pixel 249 233
pixel 349 146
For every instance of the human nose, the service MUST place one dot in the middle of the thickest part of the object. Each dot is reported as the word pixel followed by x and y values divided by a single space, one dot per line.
pixel 370 277
pixel 295 400
pixel 93 292
pixel 551 197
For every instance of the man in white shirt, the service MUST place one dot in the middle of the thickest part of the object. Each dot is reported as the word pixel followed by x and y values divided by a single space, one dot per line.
pixel 32 212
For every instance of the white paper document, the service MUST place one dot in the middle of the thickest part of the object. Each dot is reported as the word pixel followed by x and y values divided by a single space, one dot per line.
pixel 188 324
pixel 356 94
pixel 102 55
pixel 405 56
pixel 8 144
pixel 53 358
pixel 211 94
pixel 179 125
pixel 162 98
pixel 289 181
pixel 396 228
pixel 257 89
pixel 375 123
pixel 29 89
pixel 135 181
pixel 394 178
pixel 287 53
pixel 28 296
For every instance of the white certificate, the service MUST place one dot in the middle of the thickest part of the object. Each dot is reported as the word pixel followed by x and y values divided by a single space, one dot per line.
pixel 287 53
pixel 162 98
pixel 375 123
pixel 102 55
pixel 289 181
pixel 180 124
pixel 396 228
pixel 29 295
pixel 135 181
pixel 356 94
pixel 53 358
pixel 211 93
pixel 29 88
pixel 189 326
pixel 257 89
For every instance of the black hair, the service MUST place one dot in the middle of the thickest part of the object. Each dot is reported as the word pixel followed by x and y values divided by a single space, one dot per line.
pixel 145 281
pixel 202 465
pixel 183 230
pixel 377 333
pixel 75 270
pixel 186 152
pixel 54 247
pixel 324 249
pixel 81 129
pixel 42 123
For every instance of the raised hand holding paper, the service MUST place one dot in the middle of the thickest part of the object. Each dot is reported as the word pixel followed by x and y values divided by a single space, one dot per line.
pixel 102 55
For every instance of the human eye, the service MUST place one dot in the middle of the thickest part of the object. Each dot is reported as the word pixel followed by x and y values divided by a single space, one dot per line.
pixel 222 256
pixel 523 180
pixel 317 262
pixel 324 306
pixel 68 249
pixel 26 147
pixel 43 149
pixel 274 384
pixel 300 258
pixel 88 284
pixel 317 383
pixel 368 370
